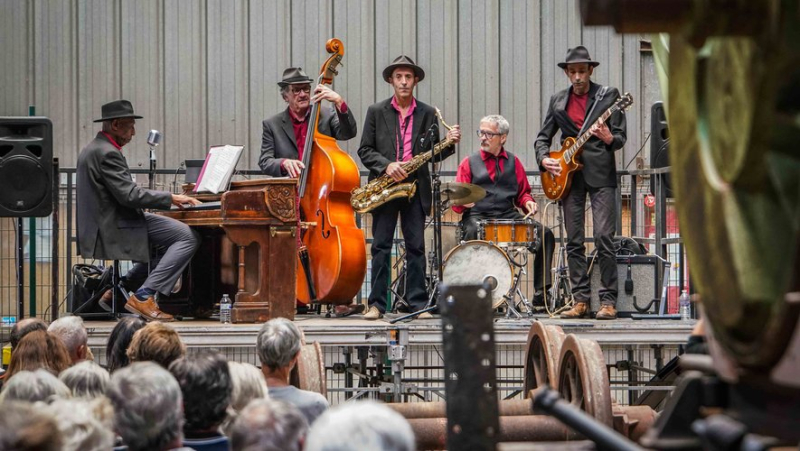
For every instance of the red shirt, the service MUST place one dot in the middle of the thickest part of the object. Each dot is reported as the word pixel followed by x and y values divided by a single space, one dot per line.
pixel 404 131
pixel 300 127
pixel 576 108
pixel 464 175
pixel 114 143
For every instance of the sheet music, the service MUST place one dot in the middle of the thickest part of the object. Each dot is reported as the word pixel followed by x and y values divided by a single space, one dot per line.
pixel 218 168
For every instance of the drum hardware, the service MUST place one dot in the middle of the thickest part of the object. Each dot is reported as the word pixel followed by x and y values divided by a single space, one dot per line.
pixel 561 288
pixel 515 290
pixel 462 193
pixel 399 300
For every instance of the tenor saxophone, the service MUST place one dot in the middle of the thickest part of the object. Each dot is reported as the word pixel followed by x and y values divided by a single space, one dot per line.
pixel 384 188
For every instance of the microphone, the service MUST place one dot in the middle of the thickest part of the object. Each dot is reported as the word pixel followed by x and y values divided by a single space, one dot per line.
pixel 154 138
pixel 428 138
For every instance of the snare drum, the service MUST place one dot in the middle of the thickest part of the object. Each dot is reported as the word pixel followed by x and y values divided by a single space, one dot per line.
pixel 507 231
pixel 476 262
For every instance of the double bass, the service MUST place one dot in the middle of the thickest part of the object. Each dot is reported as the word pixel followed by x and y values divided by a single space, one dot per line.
pixel 332 260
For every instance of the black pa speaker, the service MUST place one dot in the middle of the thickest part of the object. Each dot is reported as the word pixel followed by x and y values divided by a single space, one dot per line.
pixel 637 284
pixel 26 166
pixel 659 146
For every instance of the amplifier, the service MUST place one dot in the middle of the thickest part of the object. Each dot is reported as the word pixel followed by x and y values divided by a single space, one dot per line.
pixel 644 271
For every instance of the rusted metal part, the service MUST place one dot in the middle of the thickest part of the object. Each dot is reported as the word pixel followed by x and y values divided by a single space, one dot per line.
pixel 437 409
pixel 633 421
pixel 583 379
pixel 309 373
pixel 541 356
pixel 431 433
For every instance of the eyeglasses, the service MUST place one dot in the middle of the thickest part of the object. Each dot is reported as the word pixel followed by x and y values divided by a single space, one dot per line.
pixel 488 135
pixel 298 90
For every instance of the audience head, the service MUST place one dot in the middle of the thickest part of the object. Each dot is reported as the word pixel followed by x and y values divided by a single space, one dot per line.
pixel 360 425
pixel 248 384
pixel 278 343
pixel 33 386
pixel 84 425
pixel 268 425
pixel 206 386
pixel 120 340
pixel 24 327
pixel 156 342
pixel 86 379
pixel 71 331
pixel 147 402
pixel 25 427
pixel 39 349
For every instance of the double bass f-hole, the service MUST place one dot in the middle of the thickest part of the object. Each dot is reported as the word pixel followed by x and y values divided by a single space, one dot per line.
pixel 325 233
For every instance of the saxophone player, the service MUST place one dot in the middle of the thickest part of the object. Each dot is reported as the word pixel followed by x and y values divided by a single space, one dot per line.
pixel 391 136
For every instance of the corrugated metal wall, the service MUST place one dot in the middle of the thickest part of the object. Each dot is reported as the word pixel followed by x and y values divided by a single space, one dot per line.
pixel 205 71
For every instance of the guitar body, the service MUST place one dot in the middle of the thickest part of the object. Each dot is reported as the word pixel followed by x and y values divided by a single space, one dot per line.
pixel 557 187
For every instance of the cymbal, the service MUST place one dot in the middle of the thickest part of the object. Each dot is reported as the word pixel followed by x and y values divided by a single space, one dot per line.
pixel 462 193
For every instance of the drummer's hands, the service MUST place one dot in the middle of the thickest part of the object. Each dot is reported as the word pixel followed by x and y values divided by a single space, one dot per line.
pixel 552 166
pixel 454 134
pixel 325 92
pixel 293 167
pixel 396 171
pixel 531 207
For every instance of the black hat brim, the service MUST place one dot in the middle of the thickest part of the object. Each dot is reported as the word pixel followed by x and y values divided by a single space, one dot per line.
pixel 590 62
pixel 295 81
pixel 119 116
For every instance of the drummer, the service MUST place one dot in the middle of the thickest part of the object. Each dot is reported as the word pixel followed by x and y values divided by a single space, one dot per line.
pixel 502 175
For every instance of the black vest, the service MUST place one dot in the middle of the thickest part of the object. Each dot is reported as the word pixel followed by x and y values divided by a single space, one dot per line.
pixel 500 193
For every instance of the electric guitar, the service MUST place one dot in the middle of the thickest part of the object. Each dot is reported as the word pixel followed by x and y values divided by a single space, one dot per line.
pixel 556 187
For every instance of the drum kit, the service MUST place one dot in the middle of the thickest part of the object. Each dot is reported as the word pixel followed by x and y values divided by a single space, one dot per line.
pixel 498 257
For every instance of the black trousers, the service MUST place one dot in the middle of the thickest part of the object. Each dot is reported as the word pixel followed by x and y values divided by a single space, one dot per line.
pixel 603 217
pixel 542 253
pixel 412 223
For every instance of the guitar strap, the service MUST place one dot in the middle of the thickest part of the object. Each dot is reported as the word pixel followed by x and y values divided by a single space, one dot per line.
pixel 597 99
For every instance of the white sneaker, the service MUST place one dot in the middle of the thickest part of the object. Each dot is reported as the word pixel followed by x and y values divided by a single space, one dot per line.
pixel 373 313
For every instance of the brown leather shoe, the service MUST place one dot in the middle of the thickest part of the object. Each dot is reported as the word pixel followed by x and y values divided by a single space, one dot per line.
pixel 579 310
pixel 105 300
pixel 607 311
pixel 147 309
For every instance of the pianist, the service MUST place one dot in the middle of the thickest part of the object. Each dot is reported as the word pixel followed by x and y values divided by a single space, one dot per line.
pixel 111 223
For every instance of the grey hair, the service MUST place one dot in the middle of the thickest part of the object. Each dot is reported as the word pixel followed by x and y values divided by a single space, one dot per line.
pixel 284 90
pixel 268 425
pixel 360 425
pixel 248 384
pixel 26 426
pixel 86 379
pixel 278 342
pixel 500 121
pixel 80 424
pixel 148 406
pixel 71 331
pixel 32 386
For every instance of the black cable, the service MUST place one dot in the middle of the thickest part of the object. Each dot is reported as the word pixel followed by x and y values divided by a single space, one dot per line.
pixel 637 152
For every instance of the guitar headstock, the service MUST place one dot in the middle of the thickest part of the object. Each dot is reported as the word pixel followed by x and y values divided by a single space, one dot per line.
pixel 624 102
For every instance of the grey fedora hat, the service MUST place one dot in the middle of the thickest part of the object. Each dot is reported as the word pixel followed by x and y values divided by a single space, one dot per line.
pixel 117 109
pixel 403 61
pixel 294 76
pixel 577 55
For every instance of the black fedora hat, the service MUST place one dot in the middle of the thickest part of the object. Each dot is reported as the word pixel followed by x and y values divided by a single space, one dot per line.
pixel 403 61
pixel 577 55
pixel 294 76
pixel 117 109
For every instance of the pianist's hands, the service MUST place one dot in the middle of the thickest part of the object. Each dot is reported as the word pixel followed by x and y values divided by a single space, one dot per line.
pixel 179 200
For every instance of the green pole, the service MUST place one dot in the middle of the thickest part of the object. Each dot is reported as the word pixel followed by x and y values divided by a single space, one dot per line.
pixel 32 251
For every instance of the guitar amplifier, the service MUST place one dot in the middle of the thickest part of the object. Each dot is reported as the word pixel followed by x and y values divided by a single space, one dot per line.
pixel 643 274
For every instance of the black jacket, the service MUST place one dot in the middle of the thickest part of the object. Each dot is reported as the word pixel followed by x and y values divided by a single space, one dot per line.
pixel 599 166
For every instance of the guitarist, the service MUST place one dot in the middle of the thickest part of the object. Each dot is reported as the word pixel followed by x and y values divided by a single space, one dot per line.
pixel 573 111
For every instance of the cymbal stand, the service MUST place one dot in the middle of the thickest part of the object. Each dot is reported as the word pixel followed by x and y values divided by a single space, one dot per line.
pixel 515 291
pixel 561 288
pixel 400 299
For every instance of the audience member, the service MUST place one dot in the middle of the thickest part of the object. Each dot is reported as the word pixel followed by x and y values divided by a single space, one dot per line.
pixel 156 342
pixel 269 425
pixel 71 331
pixel 248 384
pixel 24 327
pixel 120 340
pixel 38 349
pixel 83 425
pixel 278 348
pixel 86 379
pixel 33 386
pixel 25 427
pixel 360 425
pixel 148 413
pixel 206 387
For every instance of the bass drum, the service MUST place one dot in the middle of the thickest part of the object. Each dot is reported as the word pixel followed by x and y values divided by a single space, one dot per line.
pixel 476 262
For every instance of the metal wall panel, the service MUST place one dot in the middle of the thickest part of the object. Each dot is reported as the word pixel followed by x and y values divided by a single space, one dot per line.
pixel 205 71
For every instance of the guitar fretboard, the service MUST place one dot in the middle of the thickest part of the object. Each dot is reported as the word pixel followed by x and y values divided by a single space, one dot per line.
pixel 588 134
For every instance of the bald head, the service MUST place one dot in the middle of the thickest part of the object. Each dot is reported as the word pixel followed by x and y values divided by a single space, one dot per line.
pixel 25 327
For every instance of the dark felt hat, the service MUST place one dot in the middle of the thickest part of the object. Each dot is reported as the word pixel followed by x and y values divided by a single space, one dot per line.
pixel 294 76
pixel 117 109
pixel 577 55
pixel 403 61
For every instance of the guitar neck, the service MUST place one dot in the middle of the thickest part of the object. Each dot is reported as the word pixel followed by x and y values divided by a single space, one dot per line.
pixel 569 154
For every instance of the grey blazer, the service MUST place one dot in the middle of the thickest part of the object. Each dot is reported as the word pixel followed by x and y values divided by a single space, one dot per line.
pixel 278 143
pixel 599 165
pixel 111 224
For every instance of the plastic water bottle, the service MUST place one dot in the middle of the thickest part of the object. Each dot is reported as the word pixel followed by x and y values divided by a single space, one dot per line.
pixel 685 306
pixel 225 309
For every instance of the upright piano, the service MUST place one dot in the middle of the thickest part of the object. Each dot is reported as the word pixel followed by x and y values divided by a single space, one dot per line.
pixel 248 251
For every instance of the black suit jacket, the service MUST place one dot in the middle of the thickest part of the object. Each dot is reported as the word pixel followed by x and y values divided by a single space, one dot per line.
pixel 277 140
pixel 379 143
pixel 111 224
pixel 599 166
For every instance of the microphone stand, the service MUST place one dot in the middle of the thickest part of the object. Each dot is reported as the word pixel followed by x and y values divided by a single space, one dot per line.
pixel 152 167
